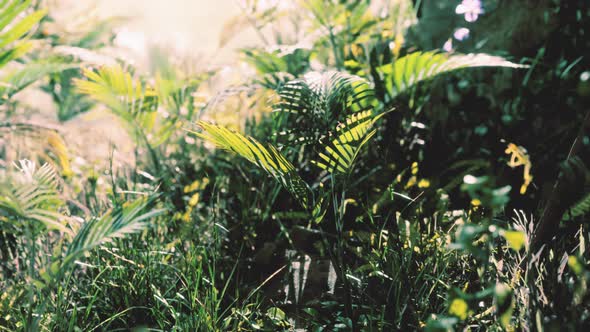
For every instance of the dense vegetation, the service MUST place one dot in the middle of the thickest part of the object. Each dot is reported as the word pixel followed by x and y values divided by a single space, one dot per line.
pixel 374 166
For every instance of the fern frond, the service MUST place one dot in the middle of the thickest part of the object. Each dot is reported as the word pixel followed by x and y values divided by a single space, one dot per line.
pixel 339 155
pixel 13 45
pixel 125 95
pixel 11 32
pixel 17 30
pixel 19 79
pixel 329 95
pixel 32 194
pixel 417 67
pixel 14 53
pixel 266 157
pixel 581 207
pixel 314 105
pixel 129 218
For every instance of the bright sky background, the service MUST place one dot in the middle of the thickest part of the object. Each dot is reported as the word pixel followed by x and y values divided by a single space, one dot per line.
pixel 192 26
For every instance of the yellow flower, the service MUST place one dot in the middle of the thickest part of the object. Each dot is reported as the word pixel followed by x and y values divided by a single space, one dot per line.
pixel 411 182
pixel 194 200
pixel 520 157
pixel 459 308
pixel 414 168
pixel 423 183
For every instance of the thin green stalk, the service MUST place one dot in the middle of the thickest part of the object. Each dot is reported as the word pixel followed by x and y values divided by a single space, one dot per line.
pixel 31 269
pixel 341 265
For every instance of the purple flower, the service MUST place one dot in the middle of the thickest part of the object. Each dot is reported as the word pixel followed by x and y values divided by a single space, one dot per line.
pixel 470 8
pixel 448 46
pixel 461 34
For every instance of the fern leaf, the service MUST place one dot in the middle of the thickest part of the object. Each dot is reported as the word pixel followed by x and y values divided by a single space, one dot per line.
pixel 314 105
pixel 129 218
pixel 123 94
pixel 127 97
pixel 580 208
pixel 14 53
pixel 31 194
pixel 20 28
pixel 8 13
pixel 19 79
pixel 417 67
pixel 329 95
pixel 339 155
pixel 266 157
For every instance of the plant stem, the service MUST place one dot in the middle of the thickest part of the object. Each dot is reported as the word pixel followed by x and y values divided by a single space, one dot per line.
pixel 341 265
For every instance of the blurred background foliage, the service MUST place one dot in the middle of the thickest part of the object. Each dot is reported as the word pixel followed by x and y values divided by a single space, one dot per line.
pixel 294 165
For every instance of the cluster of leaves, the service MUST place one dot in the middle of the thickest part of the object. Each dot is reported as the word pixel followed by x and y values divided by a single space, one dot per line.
pixel 368 198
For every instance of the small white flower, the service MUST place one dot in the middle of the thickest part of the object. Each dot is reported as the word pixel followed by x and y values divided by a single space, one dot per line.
pixel 471 9
pixel 461 34
pixel 448 46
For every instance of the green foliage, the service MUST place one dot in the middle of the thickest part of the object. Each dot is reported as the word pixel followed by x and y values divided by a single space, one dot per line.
pixel 14 45
pixel 266 157
pixel 18 79
pixel 310 108
pixel 47 143
pixel 354 218
pixel 13 29
pixel 350 138
pixel 582 207
pixel 414 68
pixel 128 218
pixel 125 95
pixel 31 195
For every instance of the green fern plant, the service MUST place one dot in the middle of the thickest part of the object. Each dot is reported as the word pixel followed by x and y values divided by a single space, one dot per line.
pixel 15 23
pixel 351 136
pixel 136 102
pixel 17 79
pixel 126 96
pixel 408 71
pixel 12 46
pixel 338 157
pixel 266 157
pixel 580 208
pixel 312 107
pixel 128 218
pixel 32 195
pixel 31 201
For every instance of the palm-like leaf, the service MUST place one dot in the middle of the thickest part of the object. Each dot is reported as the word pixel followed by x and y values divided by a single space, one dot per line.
pixel 129 218
pixel 266 157
pixel 314 105
pixel 11 31
pixel 13 46
pixel 417 67
pixel 340 154
pixel 14 53
pixel 18 79
pixel 580 208
pixel 123 94
pixel 32 195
